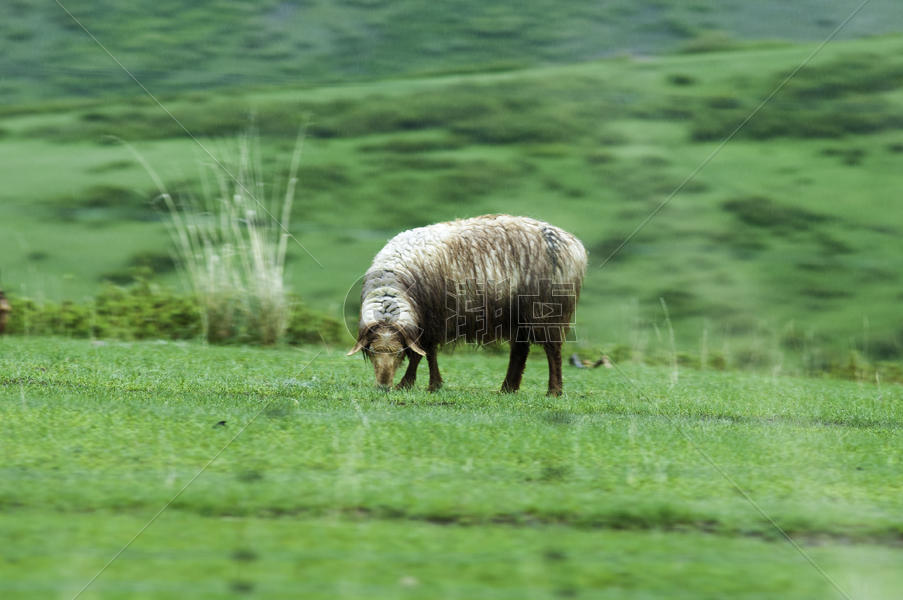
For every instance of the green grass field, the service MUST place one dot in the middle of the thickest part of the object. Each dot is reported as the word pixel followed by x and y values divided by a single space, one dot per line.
pixel 781 253
pixel 754 319
pixel 323 487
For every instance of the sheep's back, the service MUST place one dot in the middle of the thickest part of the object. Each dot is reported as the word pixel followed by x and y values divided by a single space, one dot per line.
pixel 483 278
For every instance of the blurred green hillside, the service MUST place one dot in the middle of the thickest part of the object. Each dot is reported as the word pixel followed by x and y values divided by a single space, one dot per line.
pixel 173 46
pixel 785 249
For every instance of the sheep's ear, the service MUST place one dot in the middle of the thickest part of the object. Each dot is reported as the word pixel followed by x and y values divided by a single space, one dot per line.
pixel 412 344
pixel 358 346
pixel 363 337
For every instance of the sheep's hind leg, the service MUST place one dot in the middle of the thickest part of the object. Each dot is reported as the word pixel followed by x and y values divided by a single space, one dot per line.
pixel 553 353
pixel 410 375
pixel 516 364
pixel 435 377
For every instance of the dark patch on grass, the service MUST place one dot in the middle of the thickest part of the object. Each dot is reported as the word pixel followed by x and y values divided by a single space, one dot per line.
pixel 559 417
pixel 824 293
pixel 94 117
pixel 765 213
pixel 243 555
pixel 514 128
pixel 694 186
pixel 121 277
pixel 828 100
pixel 615 248
pixel 105 203
pixel 554 472
pixel 414 145
pixel 831 245
pixel 722 102
pixel 277 412
pixel 817 265
pixel 890 348
pixel 156 262
pixel 464 186
pixel 743 244
pixel 249 476
pixel 240 586
pixel 600 157
pixel 116 165
pixel 321 177
pixel 37 256
pixel 680 302
pixel 849 156
pixel 709 41
pixel 554 555
pixel 681 79
pixel 845 75
pixel 420 163
pixel 560 187
pixel 654 161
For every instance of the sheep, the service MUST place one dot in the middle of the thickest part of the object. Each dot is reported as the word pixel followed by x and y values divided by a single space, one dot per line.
pixel 484 279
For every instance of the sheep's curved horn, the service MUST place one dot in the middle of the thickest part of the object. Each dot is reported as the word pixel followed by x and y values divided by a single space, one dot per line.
pixel 358 346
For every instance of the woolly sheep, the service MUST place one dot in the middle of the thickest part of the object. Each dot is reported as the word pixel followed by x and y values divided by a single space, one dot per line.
pixel 480 280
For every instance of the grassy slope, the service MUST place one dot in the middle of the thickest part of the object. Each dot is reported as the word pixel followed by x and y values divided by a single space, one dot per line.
pixel 343 491
pixel 593 148
pixel 216 43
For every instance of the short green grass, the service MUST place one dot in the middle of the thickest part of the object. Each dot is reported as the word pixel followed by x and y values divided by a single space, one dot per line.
pixel 326 487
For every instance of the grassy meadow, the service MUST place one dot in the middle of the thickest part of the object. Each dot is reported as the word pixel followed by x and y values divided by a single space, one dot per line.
pixel 328 488
pixel 780 254
pixel 751 311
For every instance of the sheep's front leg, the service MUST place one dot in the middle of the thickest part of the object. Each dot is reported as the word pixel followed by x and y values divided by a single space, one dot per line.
pixel 435 377
pixel 516 364
pixel 410 375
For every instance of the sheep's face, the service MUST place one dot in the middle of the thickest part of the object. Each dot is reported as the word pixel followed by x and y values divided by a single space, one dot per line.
pixel 385 346
pixel 386 351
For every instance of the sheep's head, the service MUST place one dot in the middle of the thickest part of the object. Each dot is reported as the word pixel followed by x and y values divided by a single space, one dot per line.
pixel 385 344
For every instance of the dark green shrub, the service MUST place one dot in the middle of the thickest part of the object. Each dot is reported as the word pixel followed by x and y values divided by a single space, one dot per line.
pixel 759 211
pixel 723 102
pixel 845 75
pixel 717 361
pixel 709 41
pixel 890 372
pixel 620 354
pixel 824 101
pixel 414 145
pixel 146 311
pixel 681 79
pixel 514 128
pixel 306 326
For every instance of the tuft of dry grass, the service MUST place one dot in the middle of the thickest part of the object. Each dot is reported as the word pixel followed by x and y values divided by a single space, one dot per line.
pixel 231 245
